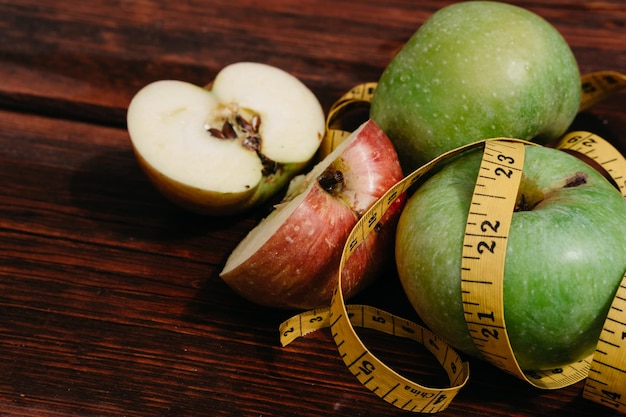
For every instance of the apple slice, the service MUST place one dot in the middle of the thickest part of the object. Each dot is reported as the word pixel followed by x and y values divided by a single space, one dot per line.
pixel 225 149
pixel 291 259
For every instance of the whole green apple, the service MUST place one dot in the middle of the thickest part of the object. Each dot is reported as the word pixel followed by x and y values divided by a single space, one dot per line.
pixel 566 255
pixel 476 70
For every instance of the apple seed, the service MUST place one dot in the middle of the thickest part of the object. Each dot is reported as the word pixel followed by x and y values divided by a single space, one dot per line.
pixel 216 133
pixel 256 122
pixel 249 126
pixel 248 131
pixel 244 124
pixel 228 130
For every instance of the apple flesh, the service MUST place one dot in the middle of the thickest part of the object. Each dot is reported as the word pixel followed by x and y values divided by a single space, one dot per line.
pixel 225 149
pixel 565 258
pixel 291 259
pixel 476 70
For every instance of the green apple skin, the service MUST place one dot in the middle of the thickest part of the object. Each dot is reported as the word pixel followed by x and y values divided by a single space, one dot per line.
pixel 476 70
pixel 565 257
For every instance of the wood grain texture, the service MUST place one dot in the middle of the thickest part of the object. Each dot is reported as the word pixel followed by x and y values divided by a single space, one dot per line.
pixel 110 300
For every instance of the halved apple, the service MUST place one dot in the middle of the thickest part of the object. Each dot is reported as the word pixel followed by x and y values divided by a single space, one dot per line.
pixel 291 259
pixel 230 146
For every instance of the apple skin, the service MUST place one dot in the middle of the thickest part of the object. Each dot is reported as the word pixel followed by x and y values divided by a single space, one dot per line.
pixel 476 70
pixel 218 203
pixel 565 257
pixel 297 267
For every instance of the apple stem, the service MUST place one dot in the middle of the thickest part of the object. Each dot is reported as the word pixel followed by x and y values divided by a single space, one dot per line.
pixel 269 166
pixel 331 180
pixel 522 204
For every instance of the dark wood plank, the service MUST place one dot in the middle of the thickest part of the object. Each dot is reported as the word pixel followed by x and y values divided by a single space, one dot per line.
pixel 86 60
pixel 110 299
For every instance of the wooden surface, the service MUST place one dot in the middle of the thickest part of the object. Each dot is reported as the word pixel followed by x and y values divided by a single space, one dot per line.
pixel 110 299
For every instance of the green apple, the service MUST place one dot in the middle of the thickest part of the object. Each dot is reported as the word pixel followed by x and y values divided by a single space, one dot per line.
pixel 566 255
pixel 476 70
pixel 228 147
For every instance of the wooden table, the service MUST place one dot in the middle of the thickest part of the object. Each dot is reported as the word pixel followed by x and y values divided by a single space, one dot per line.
pixel 110 299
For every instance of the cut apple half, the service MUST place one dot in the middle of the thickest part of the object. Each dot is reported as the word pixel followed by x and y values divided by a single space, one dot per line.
pixel 291 258
pixel 230 146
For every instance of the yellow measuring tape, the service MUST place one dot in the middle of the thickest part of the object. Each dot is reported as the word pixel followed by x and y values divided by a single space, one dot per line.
pixel 502 160
pixel 600 85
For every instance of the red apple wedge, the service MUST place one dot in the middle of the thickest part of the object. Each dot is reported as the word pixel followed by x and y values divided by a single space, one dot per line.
pixel 291 259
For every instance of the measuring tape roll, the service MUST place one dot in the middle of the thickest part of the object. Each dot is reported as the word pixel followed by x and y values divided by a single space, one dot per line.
pixel 605 370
